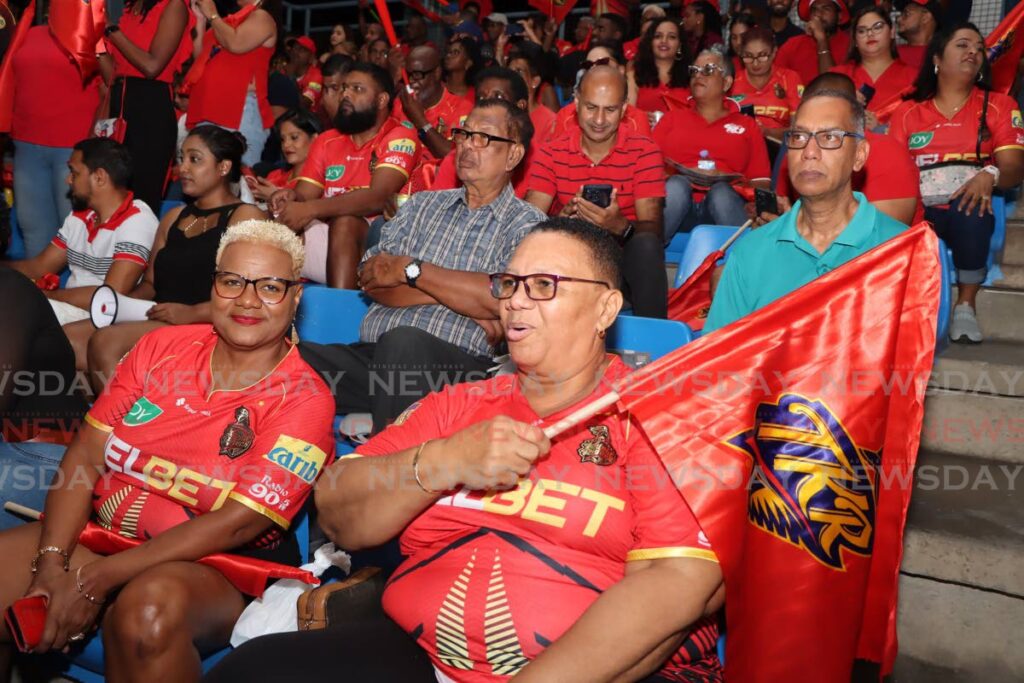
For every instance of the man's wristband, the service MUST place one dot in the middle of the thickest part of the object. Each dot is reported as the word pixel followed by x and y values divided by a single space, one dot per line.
pixel 627 233
pixel 992 170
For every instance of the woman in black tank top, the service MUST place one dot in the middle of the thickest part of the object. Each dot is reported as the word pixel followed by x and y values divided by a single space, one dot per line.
pixel 180 273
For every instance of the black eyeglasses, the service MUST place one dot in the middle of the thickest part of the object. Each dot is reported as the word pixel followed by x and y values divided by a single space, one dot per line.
pixel 419 75
pixel 476 138
pixel 539 286
pixel 270 290
pixel 589 64
pixel 706 70
pixel 759 57
pixel 826 139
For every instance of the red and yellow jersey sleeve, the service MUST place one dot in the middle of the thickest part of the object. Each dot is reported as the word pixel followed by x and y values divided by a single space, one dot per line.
pixel 123 397
pixel 398 149
pixel 314 170
pixel 288 454
pixel 1005 122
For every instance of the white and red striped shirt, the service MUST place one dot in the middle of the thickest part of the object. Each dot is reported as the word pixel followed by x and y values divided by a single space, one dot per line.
pixel 92 247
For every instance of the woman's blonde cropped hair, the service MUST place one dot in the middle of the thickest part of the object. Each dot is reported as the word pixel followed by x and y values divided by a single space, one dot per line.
pixel 257 231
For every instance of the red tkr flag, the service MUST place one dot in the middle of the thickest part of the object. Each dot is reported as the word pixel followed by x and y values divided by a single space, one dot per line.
pixel 557 9
pixel 7 65
pixel 689 302
pixel 1005 47
pixel 78 27
pixel 792 434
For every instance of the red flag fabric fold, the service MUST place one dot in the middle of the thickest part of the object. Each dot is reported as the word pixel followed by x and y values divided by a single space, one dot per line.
pixel 792 435
pixel 689 302
pixel 557 9
pixel 7 67
pixel 1005 47
pixel 249 575
pixel 78 27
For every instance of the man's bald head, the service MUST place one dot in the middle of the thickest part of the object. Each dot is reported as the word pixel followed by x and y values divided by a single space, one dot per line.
pixel 604 78
pixel 831 81
pixel 600 104
pixel 424 68
pixel 425 53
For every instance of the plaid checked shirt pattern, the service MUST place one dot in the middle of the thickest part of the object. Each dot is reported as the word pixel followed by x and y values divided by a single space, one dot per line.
pixel 440 228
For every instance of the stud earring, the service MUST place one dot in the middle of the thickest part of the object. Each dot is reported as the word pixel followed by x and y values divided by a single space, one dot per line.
pixel 936 69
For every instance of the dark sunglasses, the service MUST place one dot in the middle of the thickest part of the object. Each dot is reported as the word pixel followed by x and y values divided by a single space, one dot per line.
pixel 589 64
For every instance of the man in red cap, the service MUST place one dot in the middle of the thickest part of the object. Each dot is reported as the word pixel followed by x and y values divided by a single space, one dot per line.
pixel 919 21
pixel 823 46
pixel 302 67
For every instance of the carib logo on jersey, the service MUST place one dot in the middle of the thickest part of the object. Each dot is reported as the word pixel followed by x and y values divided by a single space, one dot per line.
pixel 402 146
pixel 302 459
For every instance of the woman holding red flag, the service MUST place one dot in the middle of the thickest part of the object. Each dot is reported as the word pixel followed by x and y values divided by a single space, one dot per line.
pixel 228 82
pixel 253 451
pixel 145 49
pixel 880 76
pixel 661 68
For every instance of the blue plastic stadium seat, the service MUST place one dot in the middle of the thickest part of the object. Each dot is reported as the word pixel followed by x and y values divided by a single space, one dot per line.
pixel 998 239
pixel 331 316
pixel 167 205
pixel 704 239
pixel 676 247
pixel 945 298
pixel 648 336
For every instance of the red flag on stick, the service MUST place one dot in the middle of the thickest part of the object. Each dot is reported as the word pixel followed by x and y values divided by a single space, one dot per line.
pixel 1005 47
pixel 557 9
pixel 78 27
pixel 7 67
pixel 792 434
pixel 385 20
pixel 689 302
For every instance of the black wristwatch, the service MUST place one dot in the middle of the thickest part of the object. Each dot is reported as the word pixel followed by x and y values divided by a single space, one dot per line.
pixel 627 233
pixel 110 30
pixel 423 131
pixel 412 272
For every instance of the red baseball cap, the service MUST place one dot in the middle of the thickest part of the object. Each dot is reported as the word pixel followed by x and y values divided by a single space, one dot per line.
pixel 306 42
pixel 931 5
pixel 803 10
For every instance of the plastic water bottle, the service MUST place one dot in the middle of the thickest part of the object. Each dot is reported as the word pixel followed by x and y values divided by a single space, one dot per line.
pixel 706 163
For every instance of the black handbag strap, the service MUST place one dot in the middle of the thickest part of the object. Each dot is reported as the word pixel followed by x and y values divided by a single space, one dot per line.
pixel 982 129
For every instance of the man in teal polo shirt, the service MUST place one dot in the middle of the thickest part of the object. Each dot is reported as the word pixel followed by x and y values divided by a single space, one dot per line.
pixel 830 224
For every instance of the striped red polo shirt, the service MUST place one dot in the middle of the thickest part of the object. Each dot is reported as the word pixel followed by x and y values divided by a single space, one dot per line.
pixel 634 167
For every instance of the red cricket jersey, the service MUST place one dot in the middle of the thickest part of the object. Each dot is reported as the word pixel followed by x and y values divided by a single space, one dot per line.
pixel 450 112
pixel 733 142
pixel 282 177
pixel 889 173
pixel 652 98
pixel 800 54
pixel 775 104
pixel 492 578
pixel 913 55
pixel 634 167
pixel 165 452
pixel 888 88
pixel 338 166
pixel 633 119
pixel 932 138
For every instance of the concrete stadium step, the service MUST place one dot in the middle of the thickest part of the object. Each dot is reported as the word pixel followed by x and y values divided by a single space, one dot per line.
pixel 994 367
pixel 1013 250
pixel 982 426
pixel 1013 277
pixel 1000 314
pixel 966 522
pixel 957 634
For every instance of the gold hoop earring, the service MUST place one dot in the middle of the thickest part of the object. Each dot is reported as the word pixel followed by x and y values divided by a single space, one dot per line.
pixel 679 55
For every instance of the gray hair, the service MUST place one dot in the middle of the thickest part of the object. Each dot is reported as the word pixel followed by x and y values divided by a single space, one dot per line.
pixel 856 108
pixel 718 52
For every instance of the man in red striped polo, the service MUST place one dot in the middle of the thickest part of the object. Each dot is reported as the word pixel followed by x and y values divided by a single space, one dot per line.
pixel 601 152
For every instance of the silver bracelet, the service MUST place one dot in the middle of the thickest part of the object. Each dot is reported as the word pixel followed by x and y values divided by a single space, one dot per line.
pixel 81 589
pixel 416 470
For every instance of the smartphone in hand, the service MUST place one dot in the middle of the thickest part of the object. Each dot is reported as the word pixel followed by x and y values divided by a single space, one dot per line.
pixel 599 195
pixel 765 201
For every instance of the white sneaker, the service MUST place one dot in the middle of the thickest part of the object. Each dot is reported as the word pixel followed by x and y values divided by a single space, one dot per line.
pixel 964 326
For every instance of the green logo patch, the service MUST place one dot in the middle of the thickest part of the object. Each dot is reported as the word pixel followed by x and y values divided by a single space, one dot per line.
pixel 142 412
pixel 335 172
pixel 738 98
pixel 408 124
pixel 920 140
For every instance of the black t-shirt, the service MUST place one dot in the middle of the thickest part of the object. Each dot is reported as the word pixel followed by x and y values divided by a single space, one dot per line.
pixel 282 91
pixel 790 31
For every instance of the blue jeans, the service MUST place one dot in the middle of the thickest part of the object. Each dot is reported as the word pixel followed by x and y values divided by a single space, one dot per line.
pixel 721 206
pixel 26 470
pixel 40 192
pixel 968 237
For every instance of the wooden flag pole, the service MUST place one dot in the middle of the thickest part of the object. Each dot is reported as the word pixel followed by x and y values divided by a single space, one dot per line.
pixel 581 414
pixel 23 511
